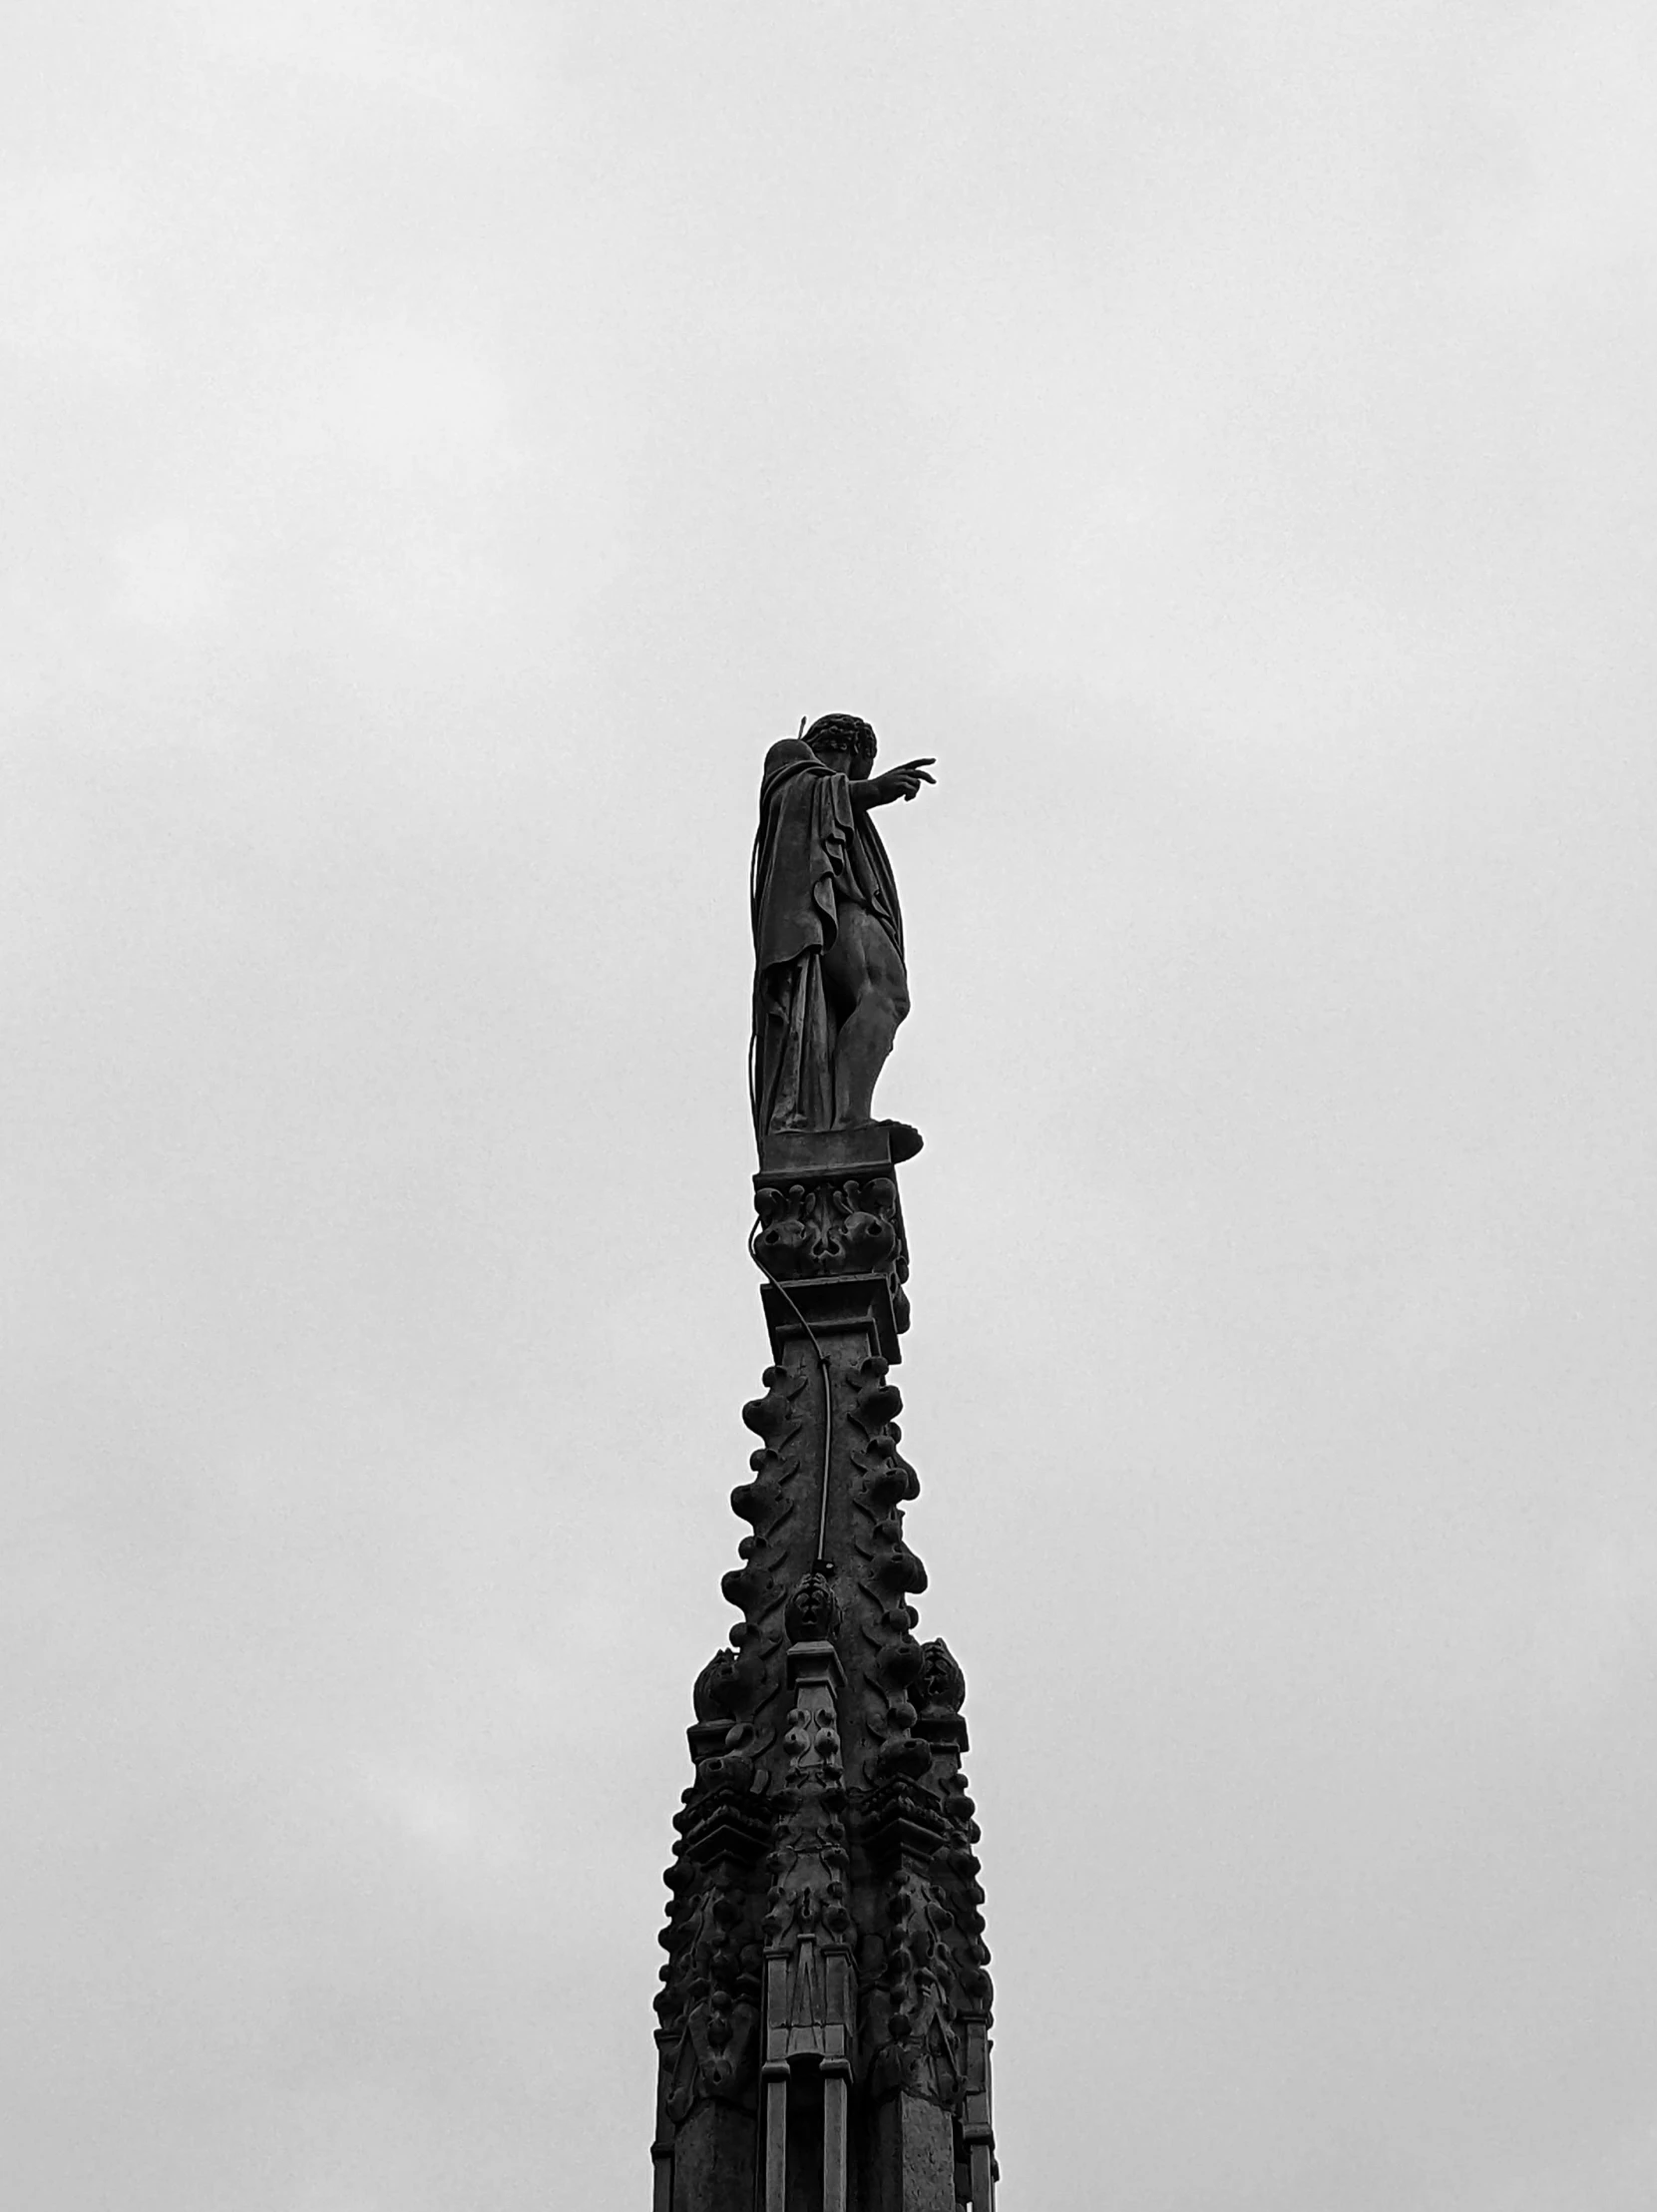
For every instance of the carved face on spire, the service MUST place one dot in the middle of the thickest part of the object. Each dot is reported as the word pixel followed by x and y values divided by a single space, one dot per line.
pixel 813 1612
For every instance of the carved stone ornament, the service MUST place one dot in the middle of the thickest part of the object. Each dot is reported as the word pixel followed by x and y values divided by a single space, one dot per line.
pixel 942 1686
pixel 845 1227
pixel 813 1613
pixel 718 1689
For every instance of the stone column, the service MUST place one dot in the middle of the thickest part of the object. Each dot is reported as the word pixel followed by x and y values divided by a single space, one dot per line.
pixel 824 2036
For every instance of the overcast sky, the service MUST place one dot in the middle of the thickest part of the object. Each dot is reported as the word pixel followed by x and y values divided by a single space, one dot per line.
pixel 446 444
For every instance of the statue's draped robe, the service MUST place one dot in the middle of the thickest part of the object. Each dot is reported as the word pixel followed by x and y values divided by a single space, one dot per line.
pixel 815 851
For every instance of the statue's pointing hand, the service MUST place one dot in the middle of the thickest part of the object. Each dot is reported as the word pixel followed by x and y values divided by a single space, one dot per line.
pixel 904 782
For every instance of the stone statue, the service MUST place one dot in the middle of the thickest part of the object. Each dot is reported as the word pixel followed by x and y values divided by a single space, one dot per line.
pixel 830 987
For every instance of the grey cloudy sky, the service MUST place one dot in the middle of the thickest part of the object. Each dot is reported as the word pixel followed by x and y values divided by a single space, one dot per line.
pixel 445 445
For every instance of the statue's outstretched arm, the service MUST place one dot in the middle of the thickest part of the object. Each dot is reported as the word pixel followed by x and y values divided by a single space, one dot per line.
pixel 896 783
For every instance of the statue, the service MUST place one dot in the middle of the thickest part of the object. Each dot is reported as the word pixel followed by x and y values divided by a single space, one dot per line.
pixel 830 987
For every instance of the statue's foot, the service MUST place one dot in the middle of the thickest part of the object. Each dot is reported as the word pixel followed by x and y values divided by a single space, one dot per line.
pixel 905 1140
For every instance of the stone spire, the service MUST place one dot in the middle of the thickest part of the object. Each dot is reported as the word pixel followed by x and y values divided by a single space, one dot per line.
pixel 824 2015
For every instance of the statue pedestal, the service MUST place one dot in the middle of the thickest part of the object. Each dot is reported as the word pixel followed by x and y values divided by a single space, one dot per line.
pixel 825 2005
pixel 829 1238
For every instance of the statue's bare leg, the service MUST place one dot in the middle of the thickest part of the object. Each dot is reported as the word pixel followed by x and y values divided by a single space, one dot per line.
pixel 863 973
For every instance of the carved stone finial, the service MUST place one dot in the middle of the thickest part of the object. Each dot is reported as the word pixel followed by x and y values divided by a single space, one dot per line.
pixel 714 1694
pixel 942 1685
pixel 813 1612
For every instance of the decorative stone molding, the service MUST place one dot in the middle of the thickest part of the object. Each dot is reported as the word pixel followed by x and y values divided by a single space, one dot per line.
pixel 887 1573
pixel 827 1226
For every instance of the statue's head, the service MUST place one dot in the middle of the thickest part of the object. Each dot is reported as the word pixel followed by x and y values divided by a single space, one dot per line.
pixel 843 743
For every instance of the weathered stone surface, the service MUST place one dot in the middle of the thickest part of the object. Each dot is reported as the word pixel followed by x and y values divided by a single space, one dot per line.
pixel 712 2162
pixel 910 2167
